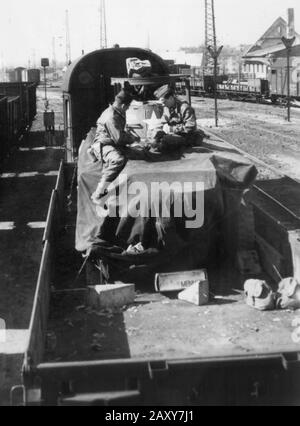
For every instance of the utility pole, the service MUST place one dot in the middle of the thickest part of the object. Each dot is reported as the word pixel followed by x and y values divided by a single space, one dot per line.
pixel 45 64
pixel 3 70
pixel 288 42
pixel 54 63
pixel 68 41
pixel 212 52
pixel 148 40
pixel 215 53
pixel 210 36
pixel 103 32
pixel 33 55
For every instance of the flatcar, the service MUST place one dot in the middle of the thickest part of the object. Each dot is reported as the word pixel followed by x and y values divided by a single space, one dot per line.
pixel 255 88
pixel 226 87
pixel 273 88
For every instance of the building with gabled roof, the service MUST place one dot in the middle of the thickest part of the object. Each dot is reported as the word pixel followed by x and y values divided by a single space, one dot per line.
pixel 256 60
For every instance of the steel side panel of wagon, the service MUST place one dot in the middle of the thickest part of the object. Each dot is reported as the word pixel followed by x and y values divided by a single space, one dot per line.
pixel 261 366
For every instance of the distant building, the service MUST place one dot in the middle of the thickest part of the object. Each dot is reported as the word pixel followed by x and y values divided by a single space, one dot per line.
pixel 11 76
pixel 19 74
pixel 278 72
pixel 231 61
pixel 256 60
pixel 192 61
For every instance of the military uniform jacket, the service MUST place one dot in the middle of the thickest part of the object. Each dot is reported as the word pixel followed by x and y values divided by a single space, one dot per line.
pixel 111 129
pixel 181 118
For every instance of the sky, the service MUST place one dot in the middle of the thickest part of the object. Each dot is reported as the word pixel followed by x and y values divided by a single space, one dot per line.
pixel 29 28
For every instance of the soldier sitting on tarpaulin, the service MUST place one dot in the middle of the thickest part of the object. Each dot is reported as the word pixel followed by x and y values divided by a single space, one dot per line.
pixel 180 127
pixel 110 142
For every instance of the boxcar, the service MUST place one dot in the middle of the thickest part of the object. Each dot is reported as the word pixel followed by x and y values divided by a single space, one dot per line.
pixel 34 76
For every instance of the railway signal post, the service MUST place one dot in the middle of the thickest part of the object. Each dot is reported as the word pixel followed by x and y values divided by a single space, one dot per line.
pixel 288 42
pixel 45 63
pixel 215 53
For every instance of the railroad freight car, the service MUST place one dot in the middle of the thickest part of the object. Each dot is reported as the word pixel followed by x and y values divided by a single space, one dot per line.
pixel 17 112
pixel 254 88
pixel 3 127
pixel 11 125
pixel 204 85
pixel 34 76
pixel 27 94
pixel 15 122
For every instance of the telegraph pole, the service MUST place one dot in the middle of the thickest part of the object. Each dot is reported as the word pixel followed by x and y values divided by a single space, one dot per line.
pixel 212 52
pixel 210 36
pixel 54 63
pixel 288 42
pixel 215 53
pixel 68 40
pixel 103 31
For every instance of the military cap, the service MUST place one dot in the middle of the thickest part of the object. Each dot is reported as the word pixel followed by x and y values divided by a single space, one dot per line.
pixel 163 91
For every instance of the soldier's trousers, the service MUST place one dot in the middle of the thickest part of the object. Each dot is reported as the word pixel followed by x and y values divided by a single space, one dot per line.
pixel 114 162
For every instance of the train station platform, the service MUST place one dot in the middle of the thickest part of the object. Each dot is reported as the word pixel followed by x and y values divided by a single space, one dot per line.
pixel 26 182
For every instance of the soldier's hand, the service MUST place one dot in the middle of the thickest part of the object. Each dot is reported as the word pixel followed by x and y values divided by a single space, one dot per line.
pixel 98 195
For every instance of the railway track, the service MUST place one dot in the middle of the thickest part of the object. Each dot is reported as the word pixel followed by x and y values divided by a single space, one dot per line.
pixel 282 103
pixel 255 126
pixel 284 191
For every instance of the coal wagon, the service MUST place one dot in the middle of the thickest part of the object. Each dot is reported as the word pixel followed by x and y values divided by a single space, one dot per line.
pixel 18 110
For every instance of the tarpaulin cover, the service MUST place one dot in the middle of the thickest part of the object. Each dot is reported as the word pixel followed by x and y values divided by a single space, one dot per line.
pixel 163 237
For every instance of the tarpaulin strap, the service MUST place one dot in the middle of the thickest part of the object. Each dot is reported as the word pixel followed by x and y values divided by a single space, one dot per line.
pixel 81 269
pixel 104 271
pixel 160 232
pixel 69 197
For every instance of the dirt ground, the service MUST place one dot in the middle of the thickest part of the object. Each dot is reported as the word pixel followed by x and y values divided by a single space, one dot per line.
pixel 261 130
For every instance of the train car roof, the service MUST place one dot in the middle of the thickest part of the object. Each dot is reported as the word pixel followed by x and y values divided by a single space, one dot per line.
pixel 106 60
